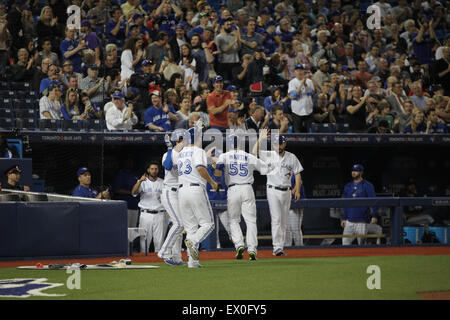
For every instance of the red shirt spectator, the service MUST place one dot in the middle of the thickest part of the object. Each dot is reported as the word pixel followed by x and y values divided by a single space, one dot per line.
pixel 217 103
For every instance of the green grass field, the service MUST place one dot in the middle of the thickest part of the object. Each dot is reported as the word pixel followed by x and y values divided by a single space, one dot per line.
pixel 285 279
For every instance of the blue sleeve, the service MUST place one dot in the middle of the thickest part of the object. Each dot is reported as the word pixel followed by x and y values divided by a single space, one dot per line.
pixel 65 114
pixel 44 85
pixel 148 117
pixel 168 164
pixel 63 47
pixel 171 109
pixel 294 94
pixel 219 166
pixel 77 193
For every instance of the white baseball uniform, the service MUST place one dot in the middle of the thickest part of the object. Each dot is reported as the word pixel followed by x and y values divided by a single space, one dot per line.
pixel 278 191
pixel 171 248
pixel 238 167
pixel 153 217
pixel 294 227
pixel 193 200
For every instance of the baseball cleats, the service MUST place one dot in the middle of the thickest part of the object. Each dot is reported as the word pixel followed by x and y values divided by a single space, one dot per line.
pixel 240 253
pixel 181 263
pixel 170 262
pixel 252 255
pixel 279 252
pixel 193 251
pixel 195 265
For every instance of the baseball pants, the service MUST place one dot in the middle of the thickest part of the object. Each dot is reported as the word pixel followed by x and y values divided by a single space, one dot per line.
pixel 354 228
pixel 294 227
pixel 132 218
pixel 279 204
pixel 224 218
pixel 241 201
pixel 156 226
pixel 196 214
pixel 171 247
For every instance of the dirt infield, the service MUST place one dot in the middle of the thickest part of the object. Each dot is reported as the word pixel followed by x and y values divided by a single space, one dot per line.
pixel 438 295
pixel 225 255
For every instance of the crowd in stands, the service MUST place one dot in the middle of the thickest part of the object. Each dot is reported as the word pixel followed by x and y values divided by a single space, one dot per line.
pixel 290 65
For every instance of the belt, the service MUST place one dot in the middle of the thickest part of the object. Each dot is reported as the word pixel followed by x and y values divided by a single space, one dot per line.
pixel 151 211
pixel 278 188
pixel 238 184
pixel 174 189
pixel 190 184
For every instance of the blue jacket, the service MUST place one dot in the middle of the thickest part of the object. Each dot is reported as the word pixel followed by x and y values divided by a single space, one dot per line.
pixel 363 189
pixel 84 192
pixel 212 195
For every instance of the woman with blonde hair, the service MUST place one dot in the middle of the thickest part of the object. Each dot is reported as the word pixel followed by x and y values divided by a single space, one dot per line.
pixel 417 124
pixel 47 27
pixel 71 108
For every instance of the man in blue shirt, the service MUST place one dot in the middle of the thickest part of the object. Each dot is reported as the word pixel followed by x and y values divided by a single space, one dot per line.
pixel 71 49
pixel 84 189
pixel 158 117
pixel 356 220
pixel 116 28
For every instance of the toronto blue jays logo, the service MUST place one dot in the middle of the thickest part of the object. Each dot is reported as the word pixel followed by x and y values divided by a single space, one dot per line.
pixel 24 288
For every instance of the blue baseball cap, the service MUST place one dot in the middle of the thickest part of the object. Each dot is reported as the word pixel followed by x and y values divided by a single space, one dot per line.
pixel 54 84
pixel 146 62
pixel 85 23
pixel 217 78
pixel 82 170
pixel 231 88
pixel 117 95
pixel 299 66
pixel 271 23
pixel 357 167
pixel 281 139
pixel 137 16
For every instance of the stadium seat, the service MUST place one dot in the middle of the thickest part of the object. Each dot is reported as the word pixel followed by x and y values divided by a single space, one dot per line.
pixel 23 103
pixel 6 123
pixel 49 124
pixel 26 124
pixel 25 113
pixel 15 145
pixel 5 103
pixel 323 128
pixel 4 86
pixel 25 86
pixel 342 128
pixel 6 94
pixel 21 94
pixel 94 125
pixel 6 113
pixel 72 125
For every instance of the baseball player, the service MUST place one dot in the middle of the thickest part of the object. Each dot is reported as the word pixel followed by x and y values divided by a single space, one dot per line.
pixel 294 223
pixel 238 167
pixel 222 215
pixel 197 214
pixel 153 217
pixel 171 248
pixel 285 164
pixel 355 220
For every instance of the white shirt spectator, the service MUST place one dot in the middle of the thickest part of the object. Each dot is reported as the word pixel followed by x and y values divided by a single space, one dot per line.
pixel 301 104
pixel 127 68
pixel 114 119
pixel 52 107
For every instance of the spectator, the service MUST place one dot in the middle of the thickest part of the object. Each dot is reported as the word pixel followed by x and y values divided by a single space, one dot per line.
pixel 100 12
pixel 236 120
pixel 159 50
pixel 116 28
pixel 421 41
pixel 47 27
pixel 275 99
pixel 158 117
pixel 442 70
pixel 324 112
pixel 255 76
pixel 218 102
pixel 48 53
pixel 50 105
pixel 434 124
pixel 279 121
pixel 5 151
pixel 356 109
pixel 380 127
pixel 362 76
pixel 384 114
pixel 4 39
pixel 177 41
pixel 23 70
pixel 396 99
pixel 301 89
pixel 132 56
pixel 405 116
pixel 111 50
pixel 13 179
pixel 120 117
pixel 240 74
pixel 71 110
pixel 200 105
pixel 257 121
pixel 228 43
pixel 95 88
pixel 250 40
pixel 321 49
pixel 417 124
pixel 54 73
pixel 15 26
pixel 201 27
pixel 84 189
pixel 167 16
pixel 92 40
pixel 130 7
pixel 418 97
pixel 91 110
pixel 189 122
pixel 68 75
pixel 204 57
pixel 189 64
pixel 185 110
pixel 322 75
pixel 143 80
pixel 41 73
pixel 71 49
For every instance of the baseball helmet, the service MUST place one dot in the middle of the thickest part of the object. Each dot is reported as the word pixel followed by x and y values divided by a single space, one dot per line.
pixel 177 135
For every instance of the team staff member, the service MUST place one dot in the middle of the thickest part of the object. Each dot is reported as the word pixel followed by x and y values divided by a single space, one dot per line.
pixel 153 217
pixel 285 164
pixel 13 178
pixel 197 214
pixel 355 220
pixel 295 218
pixel 171 249
pixel 84 189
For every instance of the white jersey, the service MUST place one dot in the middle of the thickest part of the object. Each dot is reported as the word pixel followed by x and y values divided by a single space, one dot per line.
pixel 283 167
pixel 188 160
pixel 238 166
pixel 150 193
pixel 171 176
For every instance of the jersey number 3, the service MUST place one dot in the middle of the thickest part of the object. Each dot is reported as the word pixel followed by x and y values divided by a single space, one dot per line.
pixel 187 168
pixel 241 170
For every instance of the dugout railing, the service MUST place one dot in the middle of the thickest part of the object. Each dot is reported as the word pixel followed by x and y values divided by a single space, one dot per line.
pixel 396 203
